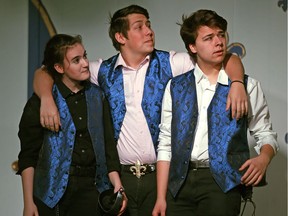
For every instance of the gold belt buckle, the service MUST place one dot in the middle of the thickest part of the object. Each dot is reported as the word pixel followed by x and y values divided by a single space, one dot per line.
pixel 138 170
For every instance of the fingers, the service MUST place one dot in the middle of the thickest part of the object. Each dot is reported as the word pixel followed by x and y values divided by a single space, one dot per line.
pixel 57 123
pixel 228 104
pixel 253 174
pixel 239 112
pixel 253 179
pixel 238 109
pixel 124 204
pixel 250 179
pixel 42 121
pixel 51 122
pixel 237 101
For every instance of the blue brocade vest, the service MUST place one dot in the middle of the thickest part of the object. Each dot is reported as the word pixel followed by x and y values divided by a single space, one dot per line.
pixel 157 75
pixel 227 138
pixel 52 171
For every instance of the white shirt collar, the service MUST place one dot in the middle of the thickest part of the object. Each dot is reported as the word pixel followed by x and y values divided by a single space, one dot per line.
pixel 199 75
pixel 120 61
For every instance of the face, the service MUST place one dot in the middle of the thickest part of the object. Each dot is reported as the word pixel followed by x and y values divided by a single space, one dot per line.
pixel 210 46
pixel 140 36
pixel 75 67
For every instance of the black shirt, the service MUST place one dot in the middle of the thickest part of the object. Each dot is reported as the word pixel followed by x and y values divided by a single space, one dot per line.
pixel 31 132
pixel 83 153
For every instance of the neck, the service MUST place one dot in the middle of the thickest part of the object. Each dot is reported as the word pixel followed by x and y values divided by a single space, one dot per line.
pixel 133 60
pixel 211 71
pixel 74 86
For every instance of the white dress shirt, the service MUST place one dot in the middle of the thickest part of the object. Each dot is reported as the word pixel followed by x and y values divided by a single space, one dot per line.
pixel 135 141
pixel 259 123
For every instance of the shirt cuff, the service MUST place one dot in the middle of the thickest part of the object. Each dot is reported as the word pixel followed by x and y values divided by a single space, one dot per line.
pixel 163 156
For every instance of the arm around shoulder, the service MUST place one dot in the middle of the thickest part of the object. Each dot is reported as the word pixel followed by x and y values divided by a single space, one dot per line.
pixel 49 115
pixel 42 83
pixel 237 99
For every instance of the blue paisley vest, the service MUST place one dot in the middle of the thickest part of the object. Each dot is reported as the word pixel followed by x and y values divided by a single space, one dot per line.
pixel 158 74
pixel 52 171
pixel 228 145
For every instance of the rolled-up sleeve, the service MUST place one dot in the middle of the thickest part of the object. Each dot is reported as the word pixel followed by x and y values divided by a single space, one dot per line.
pixel 260 125
pixel 164 147
pixel 30 134
pixel 180 62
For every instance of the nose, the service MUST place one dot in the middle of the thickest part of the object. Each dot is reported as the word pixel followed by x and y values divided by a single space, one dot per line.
pixel 149 31
pixel 85 62
pixel 219 40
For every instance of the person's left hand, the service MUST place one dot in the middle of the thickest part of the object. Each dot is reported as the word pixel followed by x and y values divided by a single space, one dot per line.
pixel 237 100
pixel 160 208
pixel 256 168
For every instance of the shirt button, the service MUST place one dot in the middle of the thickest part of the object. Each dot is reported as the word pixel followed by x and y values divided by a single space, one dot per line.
pixel 83 151
pixel 76 102
pixel 80 118
pixel 80 135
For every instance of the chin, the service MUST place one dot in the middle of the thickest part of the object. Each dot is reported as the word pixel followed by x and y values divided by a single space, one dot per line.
pixel 85 77
pixel 150 49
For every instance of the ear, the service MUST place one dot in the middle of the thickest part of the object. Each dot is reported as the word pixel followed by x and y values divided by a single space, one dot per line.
pixel 59 68
pixel 120 38
pixel 193 48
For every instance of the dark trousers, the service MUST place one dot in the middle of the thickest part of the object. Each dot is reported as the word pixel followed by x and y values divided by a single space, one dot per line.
pixel 141 193
pixel 201 196
pixel 80 198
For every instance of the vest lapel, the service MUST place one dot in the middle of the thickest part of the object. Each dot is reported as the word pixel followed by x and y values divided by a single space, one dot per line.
pixel 157 76
pixel 111 81
pixel 184 121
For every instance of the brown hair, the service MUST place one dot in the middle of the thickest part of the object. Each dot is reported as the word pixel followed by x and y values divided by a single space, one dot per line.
pixel 190 25
pixel 56 49
pixel 120 24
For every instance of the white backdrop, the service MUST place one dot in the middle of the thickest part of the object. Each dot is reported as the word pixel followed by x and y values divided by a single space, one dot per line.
pixel 260 25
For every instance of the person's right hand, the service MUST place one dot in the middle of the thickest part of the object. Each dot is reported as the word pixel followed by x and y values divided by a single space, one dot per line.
pixel 49 115
pixel 124 204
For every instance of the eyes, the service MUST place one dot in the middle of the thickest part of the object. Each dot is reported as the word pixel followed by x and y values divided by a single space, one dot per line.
pixel 77 59
pixel 141 25
pixel 211 36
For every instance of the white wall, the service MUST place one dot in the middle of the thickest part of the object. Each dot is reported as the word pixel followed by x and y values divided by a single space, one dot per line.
pixel 13 94
pixel 259 24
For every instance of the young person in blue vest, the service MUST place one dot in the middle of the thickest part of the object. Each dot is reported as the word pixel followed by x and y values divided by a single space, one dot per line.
pixel 134 81
pixel 63 172
pixel 203 153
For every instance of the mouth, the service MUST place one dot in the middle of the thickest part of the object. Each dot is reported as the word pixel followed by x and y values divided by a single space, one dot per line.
pixel 219 52
pixel 86 71
pixel 150 41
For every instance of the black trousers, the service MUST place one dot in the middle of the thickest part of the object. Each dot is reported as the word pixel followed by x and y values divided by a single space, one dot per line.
pixel 141 193
pixel 201 196
pixel 80 198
